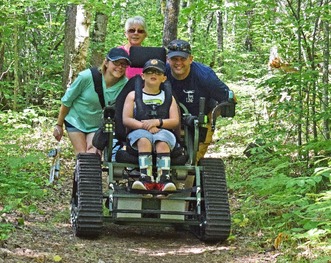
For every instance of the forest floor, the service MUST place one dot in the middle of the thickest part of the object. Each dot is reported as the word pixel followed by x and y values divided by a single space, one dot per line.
pixel 47 236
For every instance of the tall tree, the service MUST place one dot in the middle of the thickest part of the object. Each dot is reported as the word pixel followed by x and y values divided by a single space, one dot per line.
pixel 326 67
pixel 190 23
pixel 248 39
pixel 16 66
pixel 98 39
pixel 220 36
pixel 170 21
pixel 76 42
pixel 2 55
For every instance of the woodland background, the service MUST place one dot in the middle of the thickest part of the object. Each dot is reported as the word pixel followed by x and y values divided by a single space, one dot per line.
pixel 281 182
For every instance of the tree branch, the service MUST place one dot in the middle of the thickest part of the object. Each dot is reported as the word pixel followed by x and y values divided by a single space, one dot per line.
pixel 3 73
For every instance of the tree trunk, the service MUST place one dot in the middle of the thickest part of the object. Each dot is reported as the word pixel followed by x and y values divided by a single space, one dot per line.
pixel 191 23
pixel 326 62
pixel 2 56
pixel 170 21
pixel 315 102
pixel 98 39
pixel 300 99
pixel 16 67
pixel 220 37
pixel 248 40
pixel 76 43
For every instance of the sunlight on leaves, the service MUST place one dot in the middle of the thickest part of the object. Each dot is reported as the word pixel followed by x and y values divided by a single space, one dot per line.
pixel 57 258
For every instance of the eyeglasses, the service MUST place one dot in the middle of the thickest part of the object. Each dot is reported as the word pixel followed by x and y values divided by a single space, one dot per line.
pixel 156 72
pixel 139 31
pixel 117 63
pixel 184 47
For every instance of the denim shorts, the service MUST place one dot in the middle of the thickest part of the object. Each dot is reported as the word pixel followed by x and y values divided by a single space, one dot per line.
pixel 71 128
pixel 163 135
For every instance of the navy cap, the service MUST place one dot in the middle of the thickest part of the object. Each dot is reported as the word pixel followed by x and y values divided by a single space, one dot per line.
pixel 117 54
pixel 155 64
pixel 179 48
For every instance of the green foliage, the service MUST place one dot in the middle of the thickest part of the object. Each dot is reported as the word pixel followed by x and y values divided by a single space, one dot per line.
pixel 22 167
pixel 271 201
pixel 276 190
pixel 239 66
pixel 40 50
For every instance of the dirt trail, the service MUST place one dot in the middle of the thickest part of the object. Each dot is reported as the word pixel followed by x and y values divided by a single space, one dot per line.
pixel 48 237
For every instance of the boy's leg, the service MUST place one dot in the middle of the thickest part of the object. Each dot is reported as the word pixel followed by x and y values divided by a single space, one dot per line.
pixel 146 180
pixel 163 180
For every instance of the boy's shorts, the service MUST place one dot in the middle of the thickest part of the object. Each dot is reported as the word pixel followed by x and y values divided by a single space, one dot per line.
pixel 163 135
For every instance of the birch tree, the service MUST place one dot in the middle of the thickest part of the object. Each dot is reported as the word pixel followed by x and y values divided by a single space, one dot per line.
pixel 76 42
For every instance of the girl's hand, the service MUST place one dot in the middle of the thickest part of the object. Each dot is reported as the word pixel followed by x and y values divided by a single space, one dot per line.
pixel 58 132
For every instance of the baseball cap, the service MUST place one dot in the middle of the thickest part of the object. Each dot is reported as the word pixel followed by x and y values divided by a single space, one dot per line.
pixel 118 53
pixel 179 48
pixel 155 64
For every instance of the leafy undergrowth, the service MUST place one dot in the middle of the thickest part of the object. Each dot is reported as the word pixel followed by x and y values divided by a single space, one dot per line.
pixel 280 206
pixel 282 200
pixel 24 168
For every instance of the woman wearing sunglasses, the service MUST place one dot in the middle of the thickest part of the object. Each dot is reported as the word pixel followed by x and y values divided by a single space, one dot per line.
pixel 135 32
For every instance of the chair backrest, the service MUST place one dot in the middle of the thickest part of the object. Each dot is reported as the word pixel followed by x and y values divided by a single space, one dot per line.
pixel 138 56
pixel 120 130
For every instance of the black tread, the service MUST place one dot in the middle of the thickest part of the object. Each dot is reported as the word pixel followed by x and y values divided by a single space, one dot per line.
pixel 86 207
pixel 215 219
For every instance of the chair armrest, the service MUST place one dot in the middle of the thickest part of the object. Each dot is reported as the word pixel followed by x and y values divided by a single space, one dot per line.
pixel 224 109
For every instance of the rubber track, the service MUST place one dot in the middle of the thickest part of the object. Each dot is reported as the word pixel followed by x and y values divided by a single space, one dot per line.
pixel 87 216
pixel 217 223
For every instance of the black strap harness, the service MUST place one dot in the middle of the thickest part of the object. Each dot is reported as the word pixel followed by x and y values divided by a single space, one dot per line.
pixel 97 80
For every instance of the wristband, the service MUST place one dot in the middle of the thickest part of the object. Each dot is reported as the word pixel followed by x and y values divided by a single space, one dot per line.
pixel 59 125
pixel 161 123
pixel 56 128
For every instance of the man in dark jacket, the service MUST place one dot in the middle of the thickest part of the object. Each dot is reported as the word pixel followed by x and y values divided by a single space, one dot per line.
pixel 192 80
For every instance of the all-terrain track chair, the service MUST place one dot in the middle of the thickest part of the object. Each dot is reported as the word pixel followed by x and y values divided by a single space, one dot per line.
pixel 200 203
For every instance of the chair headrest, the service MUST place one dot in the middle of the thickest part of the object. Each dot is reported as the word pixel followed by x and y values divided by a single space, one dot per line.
pixel 140 55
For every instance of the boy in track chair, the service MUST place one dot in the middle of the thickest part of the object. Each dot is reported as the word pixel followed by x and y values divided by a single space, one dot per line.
pixel 150 115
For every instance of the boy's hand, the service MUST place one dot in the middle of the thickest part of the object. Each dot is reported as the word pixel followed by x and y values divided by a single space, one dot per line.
pixel 154 130
pixel 148 124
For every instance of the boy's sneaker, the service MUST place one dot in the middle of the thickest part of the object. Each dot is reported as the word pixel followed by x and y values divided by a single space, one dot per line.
pixel 165 184
pixel 144 183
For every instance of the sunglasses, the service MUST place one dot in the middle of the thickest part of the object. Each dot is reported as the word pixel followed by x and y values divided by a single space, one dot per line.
pixel 139 31
pixel 117 63
pixel 151 71
pixel 180 47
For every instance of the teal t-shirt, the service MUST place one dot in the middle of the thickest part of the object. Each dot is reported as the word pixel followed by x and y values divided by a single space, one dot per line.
pixel 85 110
